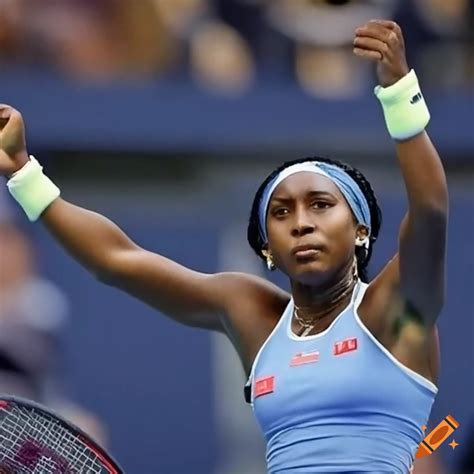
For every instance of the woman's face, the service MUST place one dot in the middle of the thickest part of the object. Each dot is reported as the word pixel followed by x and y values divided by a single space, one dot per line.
pixel 311 229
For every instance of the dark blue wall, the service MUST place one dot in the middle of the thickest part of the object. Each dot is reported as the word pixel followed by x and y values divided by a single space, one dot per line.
pixel 177 116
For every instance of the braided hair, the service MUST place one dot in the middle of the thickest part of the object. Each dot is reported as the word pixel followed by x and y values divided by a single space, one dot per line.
pixel 362 254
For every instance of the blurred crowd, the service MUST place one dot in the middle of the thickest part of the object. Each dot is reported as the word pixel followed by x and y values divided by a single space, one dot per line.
pixel 33 312
pixel 226 46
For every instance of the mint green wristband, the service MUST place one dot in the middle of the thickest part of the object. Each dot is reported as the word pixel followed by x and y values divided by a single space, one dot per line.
pixel 32 189
pixel 404 107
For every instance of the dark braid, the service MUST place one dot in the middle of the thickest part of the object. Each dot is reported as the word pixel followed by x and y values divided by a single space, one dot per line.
pixel 363 256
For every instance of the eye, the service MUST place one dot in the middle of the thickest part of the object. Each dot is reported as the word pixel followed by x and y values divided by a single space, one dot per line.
pixel 321 204
pixel 280 211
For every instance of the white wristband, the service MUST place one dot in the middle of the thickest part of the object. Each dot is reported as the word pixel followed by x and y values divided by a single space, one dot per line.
pixel 33 190
pixel 404 107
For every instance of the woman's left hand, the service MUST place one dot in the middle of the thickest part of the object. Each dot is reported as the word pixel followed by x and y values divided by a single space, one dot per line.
pixel 382 41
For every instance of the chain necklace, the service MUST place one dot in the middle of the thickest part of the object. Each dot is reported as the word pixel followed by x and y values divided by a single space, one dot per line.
pixel 308 324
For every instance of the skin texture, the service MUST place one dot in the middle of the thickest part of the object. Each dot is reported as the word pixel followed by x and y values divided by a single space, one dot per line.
pixel 401 304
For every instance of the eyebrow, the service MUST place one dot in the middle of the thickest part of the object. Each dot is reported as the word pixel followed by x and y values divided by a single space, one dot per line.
pixel 309 194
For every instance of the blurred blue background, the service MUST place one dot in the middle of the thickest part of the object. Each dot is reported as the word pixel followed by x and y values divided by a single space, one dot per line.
pixel 165 116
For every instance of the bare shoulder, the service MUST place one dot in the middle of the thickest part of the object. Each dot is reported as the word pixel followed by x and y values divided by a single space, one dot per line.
pixel 381 304
pixel 247 290
pixel 190 297
pixel 254 307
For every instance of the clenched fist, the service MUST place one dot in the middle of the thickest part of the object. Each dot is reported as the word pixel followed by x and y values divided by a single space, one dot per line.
pixel 382 41
pixel 13 154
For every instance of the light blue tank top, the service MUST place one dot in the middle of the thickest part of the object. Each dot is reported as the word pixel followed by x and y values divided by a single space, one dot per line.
pixel 337 401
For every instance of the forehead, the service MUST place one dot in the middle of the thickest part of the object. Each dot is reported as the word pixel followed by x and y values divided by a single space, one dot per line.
pixel 303 182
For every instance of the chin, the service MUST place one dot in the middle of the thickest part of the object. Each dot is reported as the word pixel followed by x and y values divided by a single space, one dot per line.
pixel 310 273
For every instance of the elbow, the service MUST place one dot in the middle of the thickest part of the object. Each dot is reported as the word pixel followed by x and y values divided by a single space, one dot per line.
pixel 433 214
pixel 104 277
pixel 106 273
pixel 117 269
pixel 436 216
pixel 439 208
pixel 435 207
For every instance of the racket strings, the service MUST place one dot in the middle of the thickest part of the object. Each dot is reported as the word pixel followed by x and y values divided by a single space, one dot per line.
pixel 34 443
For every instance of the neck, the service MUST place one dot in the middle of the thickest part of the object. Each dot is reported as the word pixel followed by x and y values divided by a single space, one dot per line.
pixel 314 303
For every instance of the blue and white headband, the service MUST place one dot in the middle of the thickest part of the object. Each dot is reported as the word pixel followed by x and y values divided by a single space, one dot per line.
pixel 348 187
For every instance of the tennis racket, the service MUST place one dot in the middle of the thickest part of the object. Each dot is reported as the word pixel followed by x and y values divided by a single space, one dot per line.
pixel 34 440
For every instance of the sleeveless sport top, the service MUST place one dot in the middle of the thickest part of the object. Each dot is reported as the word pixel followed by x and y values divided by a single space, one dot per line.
pixel 337 401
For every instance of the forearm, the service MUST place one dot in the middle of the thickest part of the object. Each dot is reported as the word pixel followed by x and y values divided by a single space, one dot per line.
pixel 424 175
pixel 406 114
pixel 90 238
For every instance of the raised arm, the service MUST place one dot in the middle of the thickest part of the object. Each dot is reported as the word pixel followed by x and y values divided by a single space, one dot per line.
pixel 418 269
pixel 422 245
pixel 100 246
pixel 188 296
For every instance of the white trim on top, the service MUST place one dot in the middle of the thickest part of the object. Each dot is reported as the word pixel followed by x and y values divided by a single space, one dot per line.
pixel 255 361
pixel 294 337
pixel 428 384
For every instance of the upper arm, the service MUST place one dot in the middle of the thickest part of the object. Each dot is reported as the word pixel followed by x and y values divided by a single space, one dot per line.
pixel 422 243
pixel 422 253
pixel 187 296
pixel 416 274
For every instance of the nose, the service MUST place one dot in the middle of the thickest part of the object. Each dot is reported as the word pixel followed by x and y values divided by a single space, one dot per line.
pixel 302 224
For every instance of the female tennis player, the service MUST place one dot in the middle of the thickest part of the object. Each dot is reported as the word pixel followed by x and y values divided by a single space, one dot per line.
pixel 342 372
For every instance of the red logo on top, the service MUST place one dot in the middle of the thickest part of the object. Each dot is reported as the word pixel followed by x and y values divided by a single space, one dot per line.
pixel 264 386
pixel 345 346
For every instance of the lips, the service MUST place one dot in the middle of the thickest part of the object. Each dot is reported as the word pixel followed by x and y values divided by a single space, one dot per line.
pixel 306 252
pixel 302 248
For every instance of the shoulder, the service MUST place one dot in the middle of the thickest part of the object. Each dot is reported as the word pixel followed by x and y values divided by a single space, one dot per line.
pixel 244 290
pixel 253 308
pixel 383 304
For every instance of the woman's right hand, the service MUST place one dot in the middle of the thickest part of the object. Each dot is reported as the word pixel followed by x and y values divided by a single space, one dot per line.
pixel 13 154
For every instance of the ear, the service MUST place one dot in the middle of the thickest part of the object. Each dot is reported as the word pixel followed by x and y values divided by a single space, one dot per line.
pixel 361 232
pixel 362 236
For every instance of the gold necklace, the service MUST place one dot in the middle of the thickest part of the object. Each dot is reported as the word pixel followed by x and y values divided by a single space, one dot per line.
pixel 308 327
pixel 309 324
